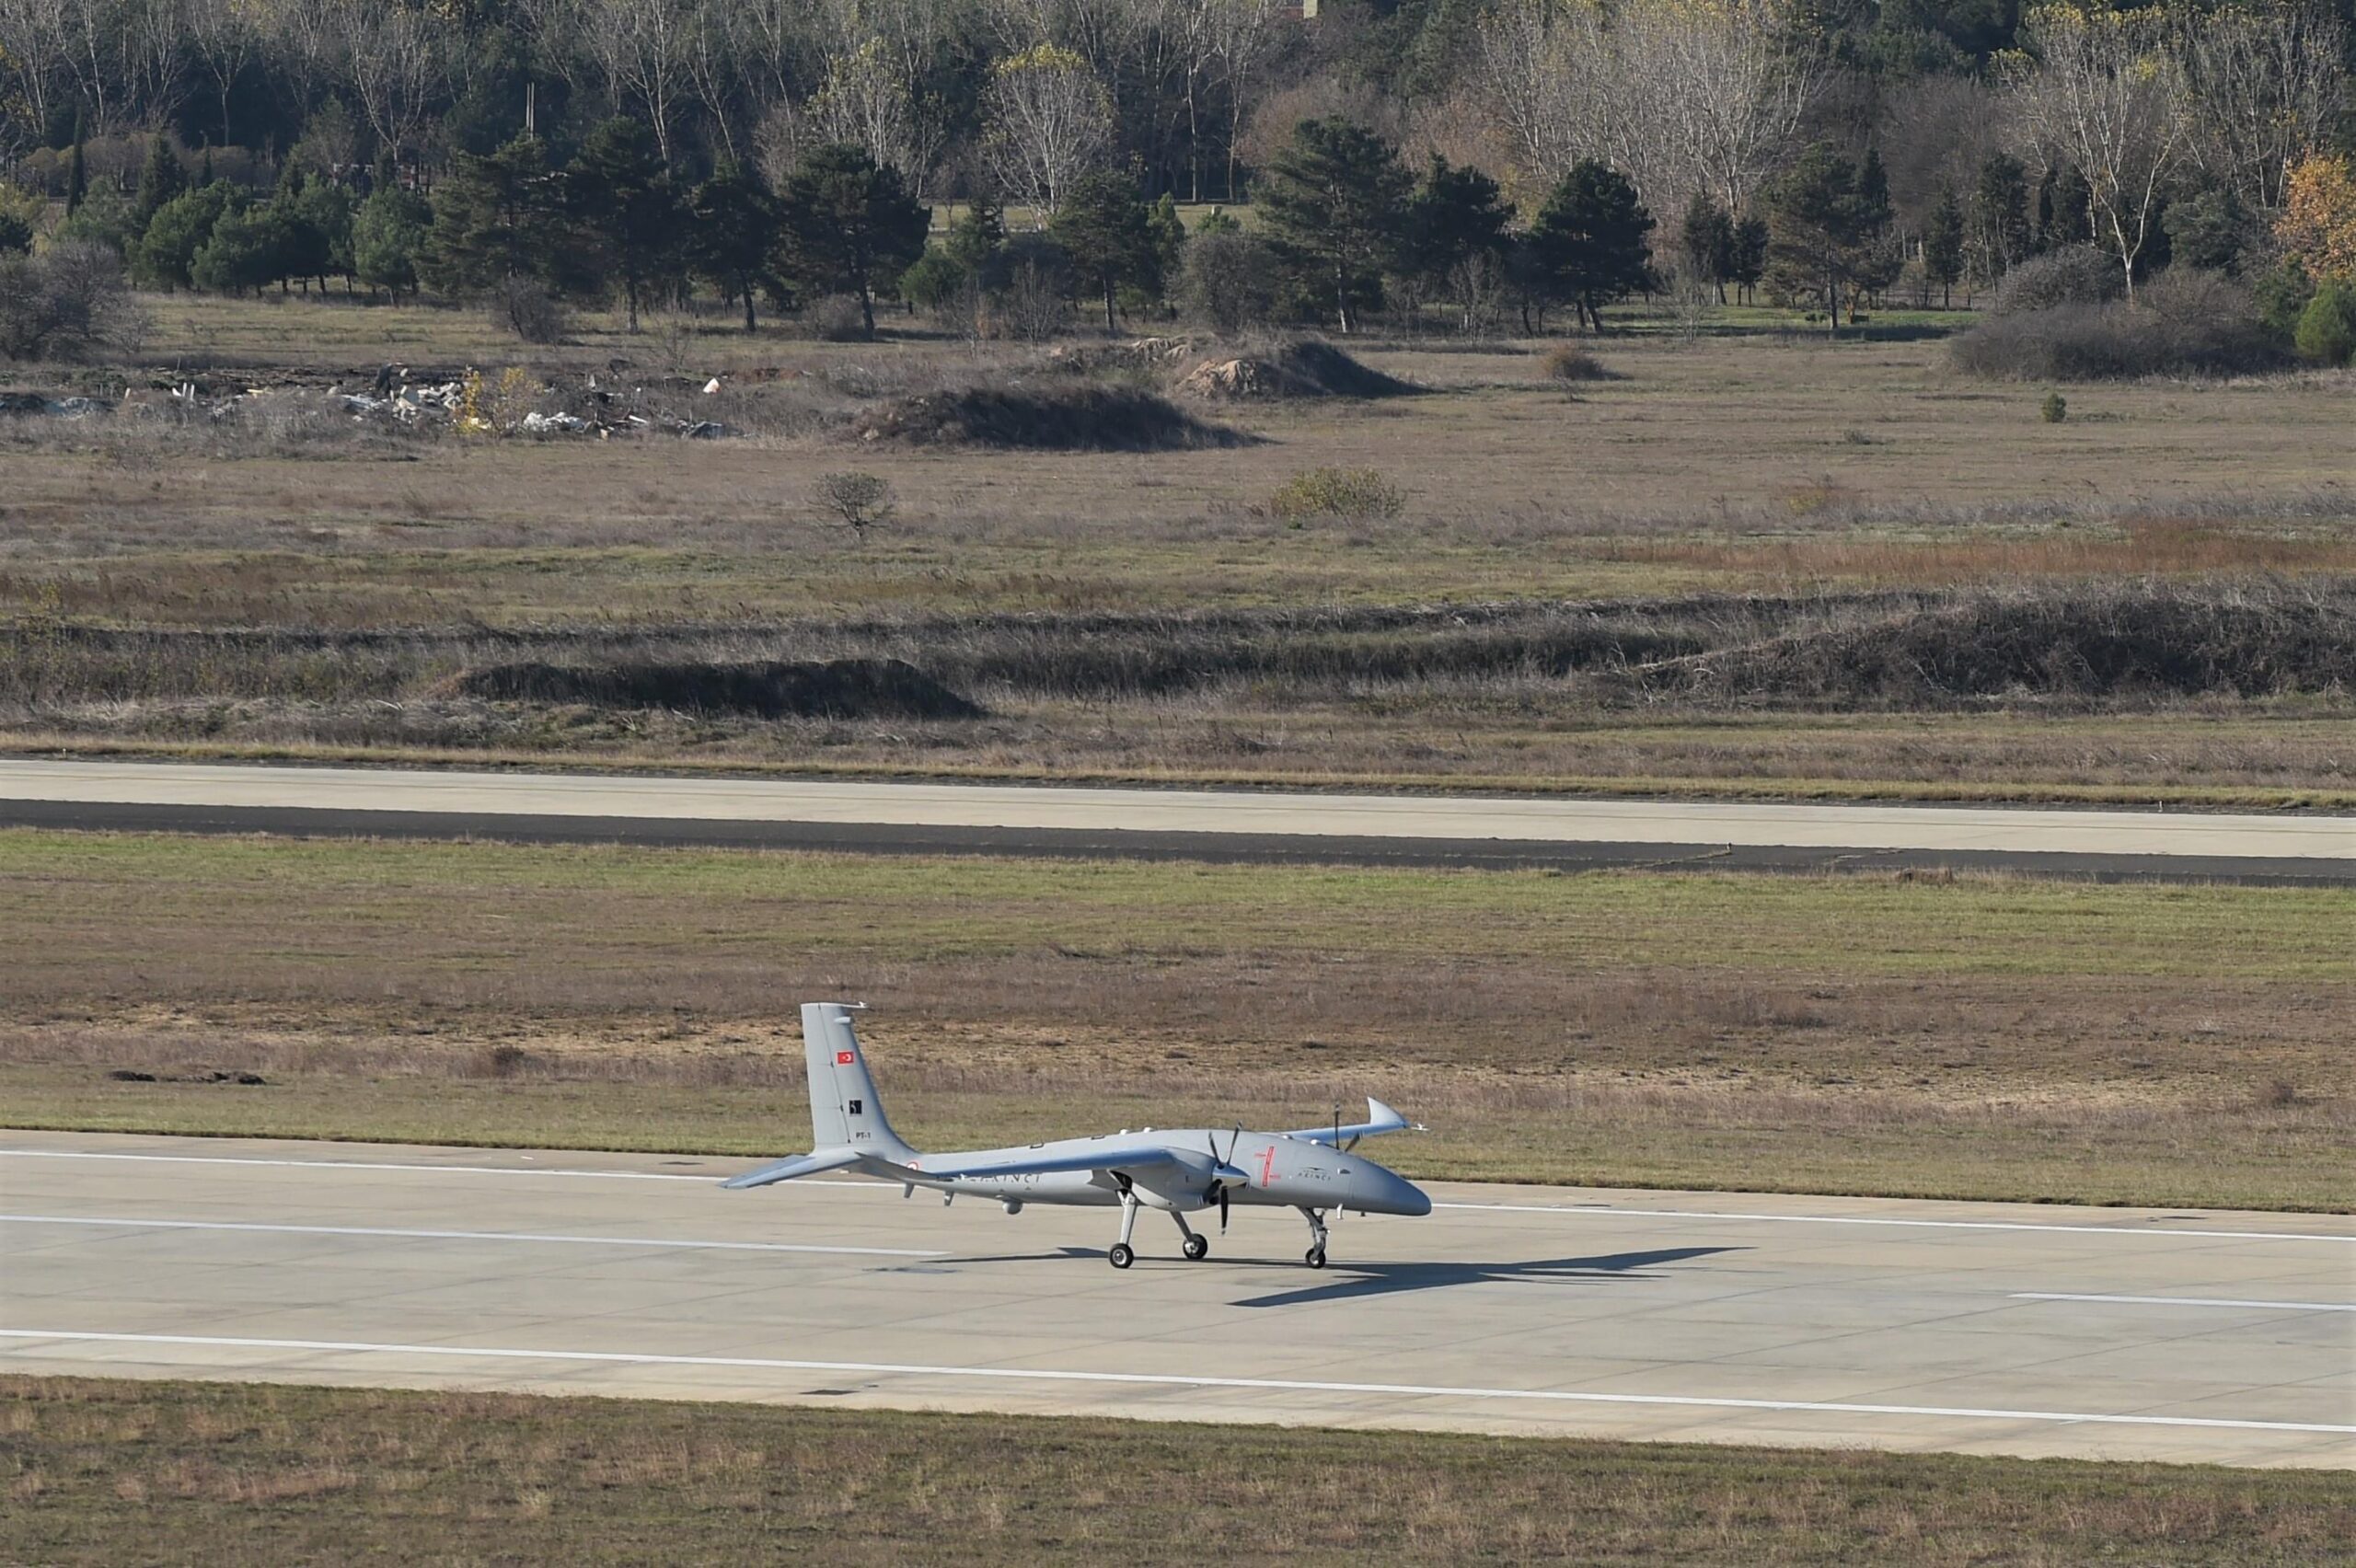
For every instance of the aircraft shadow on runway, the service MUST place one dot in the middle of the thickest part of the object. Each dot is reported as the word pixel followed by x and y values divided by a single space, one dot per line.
pixel 1346 1281
pixel 1350 1281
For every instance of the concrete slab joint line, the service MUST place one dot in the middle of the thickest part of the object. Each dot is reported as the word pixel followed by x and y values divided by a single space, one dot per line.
pixel 1058 1375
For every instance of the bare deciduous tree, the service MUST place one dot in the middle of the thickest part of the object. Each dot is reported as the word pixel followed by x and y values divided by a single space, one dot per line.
pixel 642 48
pixel 393 59
pixel 1680 95
pixel 1244 38
pixel 1049 122
pixel 866 102
pixel 32 44
pixel 2266 85
pixel 2106 95
pixel 225 36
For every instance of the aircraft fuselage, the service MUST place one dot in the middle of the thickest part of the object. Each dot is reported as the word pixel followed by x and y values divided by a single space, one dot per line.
pixel 1263 1169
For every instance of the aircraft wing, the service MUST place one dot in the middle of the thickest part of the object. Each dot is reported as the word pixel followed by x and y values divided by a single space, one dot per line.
pixel 787 1169
pixel 1379 1118
pixel 1130 1159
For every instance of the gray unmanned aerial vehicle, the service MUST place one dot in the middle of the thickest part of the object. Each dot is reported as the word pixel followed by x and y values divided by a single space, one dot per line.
pixel 1179 1172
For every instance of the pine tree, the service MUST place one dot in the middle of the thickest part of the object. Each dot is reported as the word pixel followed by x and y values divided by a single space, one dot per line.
pixel 1456 214
pixel 1942 244
pixel 78 174
pixel 847 225
pixel 731 228
pixel 1591 238
pixel 625 215
pixel 1105 229
pixel 389 232
pixel 1707 239
pixel 160 179
pixel 2001 231
pixel 494 218
pixel 1824 223
pixel 1334 199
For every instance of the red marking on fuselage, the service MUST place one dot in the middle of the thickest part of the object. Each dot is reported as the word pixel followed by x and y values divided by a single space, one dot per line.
pixel 843 1058
pixel 1268 1166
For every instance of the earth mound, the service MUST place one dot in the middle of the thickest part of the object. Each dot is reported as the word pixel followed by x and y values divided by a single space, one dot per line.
pixel 1070 419
pixel 836 688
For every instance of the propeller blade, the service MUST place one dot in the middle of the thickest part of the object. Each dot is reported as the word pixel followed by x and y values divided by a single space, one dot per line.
pixel 1222 1208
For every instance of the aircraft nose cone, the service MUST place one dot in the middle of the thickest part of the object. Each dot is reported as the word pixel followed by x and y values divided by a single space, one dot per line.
pixel 1393 1193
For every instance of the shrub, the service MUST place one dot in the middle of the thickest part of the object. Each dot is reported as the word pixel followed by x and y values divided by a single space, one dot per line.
pixel 527 309
pixel 1568 362
pixel 2184 323
pixel 1231 279
pixel 2072 275
pixel 1353 494
pixel 835 318
pixel 2054 409
pixel 939 283
pixel 2328 326
pixel 1029 299
pixel 2283 294
pixel 20 214
pixel 65 302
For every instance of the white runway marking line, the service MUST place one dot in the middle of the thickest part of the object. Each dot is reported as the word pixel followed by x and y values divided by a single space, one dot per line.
pixel 111 1223
pixel 1166 1379
pixel 367 1165
pixel 2189 1301
pixel 881 1188
pixel 1915 1224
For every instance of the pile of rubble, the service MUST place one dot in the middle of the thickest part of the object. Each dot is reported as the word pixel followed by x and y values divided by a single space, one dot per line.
pixel 467 401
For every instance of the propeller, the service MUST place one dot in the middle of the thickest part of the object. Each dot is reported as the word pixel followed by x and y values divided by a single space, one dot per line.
pixel 1218 1186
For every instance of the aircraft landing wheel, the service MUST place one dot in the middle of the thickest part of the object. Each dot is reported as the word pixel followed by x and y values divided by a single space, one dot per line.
pixel 1122 1256
pixel 1197 1248
pixel 1316 1258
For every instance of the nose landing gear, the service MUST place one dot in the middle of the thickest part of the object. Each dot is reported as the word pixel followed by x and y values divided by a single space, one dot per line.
pixel 1315 1256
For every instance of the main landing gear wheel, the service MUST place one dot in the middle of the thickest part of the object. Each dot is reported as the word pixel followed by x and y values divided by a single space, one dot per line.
pixel 1197 1248
pixel 1315 1258
pixel 1122 1256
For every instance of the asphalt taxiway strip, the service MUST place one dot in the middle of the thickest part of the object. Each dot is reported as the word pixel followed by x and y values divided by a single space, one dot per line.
pixel 1740 1317
pixel 1229 825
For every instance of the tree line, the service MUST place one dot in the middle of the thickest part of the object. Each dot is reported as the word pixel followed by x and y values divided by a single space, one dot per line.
pixel 1819 155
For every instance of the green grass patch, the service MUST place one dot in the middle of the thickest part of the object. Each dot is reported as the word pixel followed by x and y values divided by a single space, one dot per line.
pixel 359 894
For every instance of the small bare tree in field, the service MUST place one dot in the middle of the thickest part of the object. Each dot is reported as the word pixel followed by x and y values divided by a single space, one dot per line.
pixel 2106 95
pixel 859 500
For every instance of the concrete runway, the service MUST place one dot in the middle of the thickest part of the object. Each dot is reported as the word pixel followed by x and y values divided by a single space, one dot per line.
pixel 1219 824
pixel 1733 1317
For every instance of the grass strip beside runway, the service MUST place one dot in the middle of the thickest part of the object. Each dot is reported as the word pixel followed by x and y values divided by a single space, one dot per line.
pixel 99 1470
pixel 1979 1037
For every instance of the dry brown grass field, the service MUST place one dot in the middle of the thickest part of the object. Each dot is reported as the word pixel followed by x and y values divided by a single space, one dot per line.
pixel 1814 474
pixel 1984 1038
pixel 99 1472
